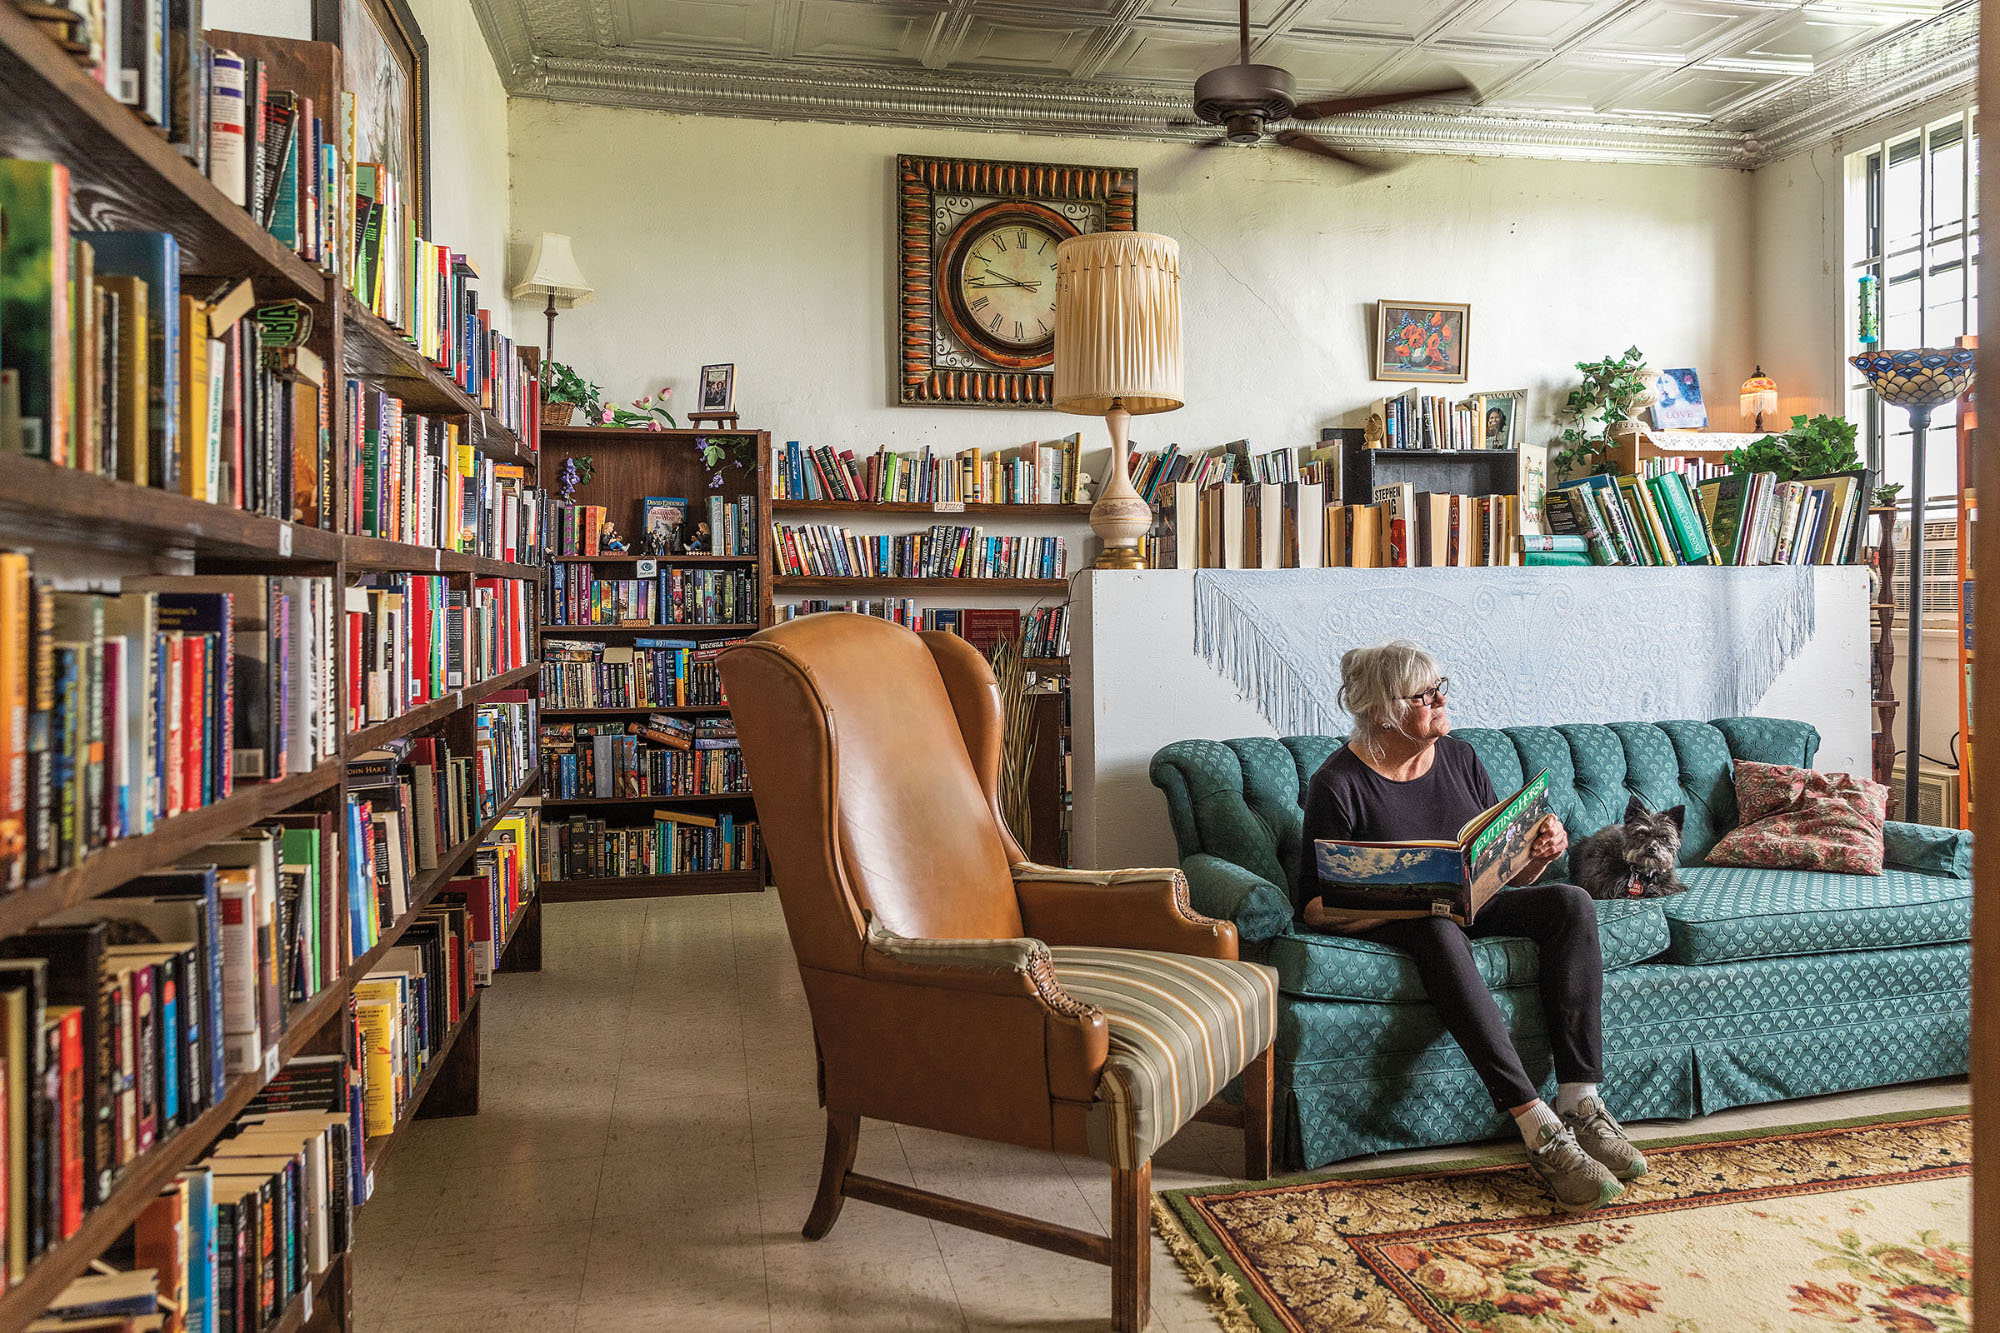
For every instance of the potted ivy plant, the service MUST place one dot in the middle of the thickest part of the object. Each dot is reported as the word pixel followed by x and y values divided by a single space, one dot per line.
pixel 1607 396
pixel 563 392
pixel 1813 447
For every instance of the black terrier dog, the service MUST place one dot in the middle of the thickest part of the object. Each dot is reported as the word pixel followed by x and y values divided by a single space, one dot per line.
pixel 1635 859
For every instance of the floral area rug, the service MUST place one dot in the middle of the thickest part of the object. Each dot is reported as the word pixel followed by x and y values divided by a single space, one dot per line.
pixel 1863 1225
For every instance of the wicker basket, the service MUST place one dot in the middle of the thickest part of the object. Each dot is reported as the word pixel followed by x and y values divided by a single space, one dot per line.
pixel 557 414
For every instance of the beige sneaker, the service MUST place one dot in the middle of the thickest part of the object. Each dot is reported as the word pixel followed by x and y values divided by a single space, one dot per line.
pixel 1600 1135
pixel 1578 1180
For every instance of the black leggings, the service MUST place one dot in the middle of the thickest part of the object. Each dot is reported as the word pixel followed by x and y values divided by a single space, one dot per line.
pixel 1562 922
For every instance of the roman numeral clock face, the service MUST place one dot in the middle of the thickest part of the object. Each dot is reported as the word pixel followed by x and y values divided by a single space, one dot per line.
pixel 1009 284
pixel 998 286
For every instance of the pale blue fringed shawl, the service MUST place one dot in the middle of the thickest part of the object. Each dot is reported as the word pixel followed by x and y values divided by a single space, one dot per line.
pixel 1521 646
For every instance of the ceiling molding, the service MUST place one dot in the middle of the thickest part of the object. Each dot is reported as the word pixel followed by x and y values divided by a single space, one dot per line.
pixel 1915 64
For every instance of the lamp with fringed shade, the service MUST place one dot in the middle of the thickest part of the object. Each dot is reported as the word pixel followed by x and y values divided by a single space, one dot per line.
pixel 1118 354
pixel 1758 397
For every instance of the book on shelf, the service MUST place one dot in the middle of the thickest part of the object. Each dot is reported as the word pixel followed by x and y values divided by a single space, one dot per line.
pixel 1040 632
pixel 1451 877
pixel 1679 516
pixel 140 52
pixel 421 479
pixel 1039 472
pixel 618 759
pixel 676 842
pixel 411 639
pixel 943 551
pixel 645 673
pixel 1291 525
pixel 581 594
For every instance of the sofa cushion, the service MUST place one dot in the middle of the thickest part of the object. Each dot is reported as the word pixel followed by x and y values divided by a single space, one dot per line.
pixel 1730 913
pixel 1800 819
pixel 1337 967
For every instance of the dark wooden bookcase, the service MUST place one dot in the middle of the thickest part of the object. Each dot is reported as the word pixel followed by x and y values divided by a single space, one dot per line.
pixel 626 465
pixel 93 528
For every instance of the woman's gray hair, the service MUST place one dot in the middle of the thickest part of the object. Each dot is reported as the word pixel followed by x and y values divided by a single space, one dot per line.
pixel 1376 683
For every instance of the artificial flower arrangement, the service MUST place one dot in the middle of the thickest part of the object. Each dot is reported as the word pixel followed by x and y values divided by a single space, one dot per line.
pixel 648 413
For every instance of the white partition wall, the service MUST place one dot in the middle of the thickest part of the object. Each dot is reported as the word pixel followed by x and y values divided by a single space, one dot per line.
pixel 1535 641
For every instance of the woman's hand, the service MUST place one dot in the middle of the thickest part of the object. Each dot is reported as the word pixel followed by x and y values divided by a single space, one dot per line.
pixel 1551 841
pixel 1315 914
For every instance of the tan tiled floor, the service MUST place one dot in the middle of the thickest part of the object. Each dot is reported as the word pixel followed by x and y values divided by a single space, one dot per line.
pixel 648 1147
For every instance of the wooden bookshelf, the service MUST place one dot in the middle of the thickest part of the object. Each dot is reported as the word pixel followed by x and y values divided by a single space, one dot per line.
pixel 677 710
pixel 863 584
pixel 628 465
pixel 983 507
pixel 124 175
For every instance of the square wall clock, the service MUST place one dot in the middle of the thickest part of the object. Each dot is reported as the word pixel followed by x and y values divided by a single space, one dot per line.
pixel 976 266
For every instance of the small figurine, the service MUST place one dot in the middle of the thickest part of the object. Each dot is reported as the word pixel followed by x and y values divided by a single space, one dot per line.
pixel 608 538
pixel 697 542
pixel 660 542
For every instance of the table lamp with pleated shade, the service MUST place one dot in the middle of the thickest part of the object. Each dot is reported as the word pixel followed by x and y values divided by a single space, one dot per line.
pixel 1118 354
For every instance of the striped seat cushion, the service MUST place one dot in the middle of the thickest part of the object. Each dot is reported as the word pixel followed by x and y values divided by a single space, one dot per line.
pixel 1181 1028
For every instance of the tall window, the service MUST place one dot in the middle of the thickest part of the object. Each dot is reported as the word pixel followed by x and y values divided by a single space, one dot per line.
pixel 1914 224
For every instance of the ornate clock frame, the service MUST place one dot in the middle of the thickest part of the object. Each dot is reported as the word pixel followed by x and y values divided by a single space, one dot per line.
pixel 934 366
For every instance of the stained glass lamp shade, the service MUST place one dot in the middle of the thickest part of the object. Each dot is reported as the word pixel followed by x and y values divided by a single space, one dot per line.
pixel 1918 381
pixel 1759 395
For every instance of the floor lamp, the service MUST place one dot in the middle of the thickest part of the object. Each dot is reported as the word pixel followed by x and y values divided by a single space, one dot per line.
pixel 1918 381
pixel 1118 355
pixel 552 271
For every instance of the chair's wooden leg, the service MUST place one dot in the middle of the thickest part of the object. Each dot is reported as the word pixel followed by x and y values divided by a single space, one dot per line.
pixel 843 1135
pixel 1258 1081
pixel 1131 1248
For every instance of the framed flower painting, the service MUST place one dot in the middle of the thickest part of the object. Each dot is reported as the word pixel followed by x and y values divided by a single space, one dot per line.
pixel 1421 340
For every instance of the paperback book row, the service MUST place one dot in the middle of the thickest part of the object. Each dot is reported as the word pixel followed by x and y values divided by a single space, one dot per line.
pixel 1734 519
pixel 668 525
pixel 1151 473
pixel 1417 420
pixel 944 551
pixel 414 638
pixel 143 53
pixel 1289 525
pixel 232 1239
pixel 1035 473
pixel 108 366
pixel 124 1019
pixel 1040 632
pixel 676 595
pixel 645 673
pixel 677 842
pixel 422 480
pixel 118 710
pixel 665 755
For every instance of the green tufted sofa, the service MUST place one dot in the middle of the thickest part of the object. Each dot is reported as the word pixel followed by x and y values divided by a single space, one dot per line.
pixel 1753 986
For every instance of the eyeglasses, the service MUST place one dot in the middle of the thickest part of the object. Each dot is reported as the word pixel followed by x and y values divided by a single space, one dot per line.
pixel 1433 696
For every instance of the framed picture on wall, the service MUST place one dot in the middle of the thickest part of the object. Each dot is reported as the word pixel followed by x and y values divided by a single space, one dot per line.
pixel 385 64
pixel 1421 340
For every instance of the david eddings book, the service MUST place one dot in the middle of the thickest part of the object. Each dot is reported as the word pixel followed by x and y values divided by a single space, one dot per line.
pixel 1437 877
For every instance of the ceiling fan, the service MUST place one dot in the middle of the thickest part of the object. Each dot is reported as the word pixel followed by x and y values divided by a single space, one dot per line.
pixel 1244 99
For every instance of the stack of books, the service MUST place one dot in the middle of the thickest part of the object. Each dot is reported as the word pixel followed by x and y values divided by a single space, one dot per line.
pixel 664 755
pixel 1415 420
pixel 1733 519
pixel 646 673
pixel 106 366
pixel 677 595
pixel 420 479
pixel 1236 525
pixel 1318 465
pixel 1035 473
pixel 118 710
pixel 677 842
pixel 945 551
pixel 413 638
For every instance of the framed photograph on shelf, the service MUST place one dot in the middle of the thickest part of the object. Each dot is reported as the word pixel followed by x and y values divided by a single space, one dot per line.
pixel 1500 418
pixel 385 64
pixel 1679 406
pixel 1421 340
pixel 718 389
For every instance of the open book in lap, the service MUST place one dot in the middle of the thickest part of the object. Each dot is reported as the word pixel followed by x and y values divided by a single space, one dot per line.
pixel 1437 877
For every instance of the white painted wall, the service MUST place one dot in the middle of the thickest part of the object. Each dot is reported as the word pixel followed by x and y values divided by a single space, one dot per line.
pixel 469 166
pixel 771 245
pixel 1133 659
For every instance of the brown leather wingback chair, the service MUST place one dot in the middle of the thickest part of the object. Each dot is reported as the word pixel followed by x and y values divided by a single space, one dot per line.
pixel 953 984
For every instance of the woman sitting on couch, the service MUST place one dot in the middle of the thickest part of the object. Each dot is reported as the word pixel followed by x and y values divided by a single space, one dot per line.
pixel 1401 777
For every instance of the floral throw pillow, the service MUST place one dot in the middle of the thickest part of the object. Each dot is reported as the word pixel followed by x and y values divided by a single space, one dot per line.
pixel 1800 819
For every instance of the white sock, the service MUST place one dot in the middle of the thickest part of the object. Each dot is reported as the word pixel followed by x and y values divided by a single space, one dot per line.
pixel 1534 1120
pixel 1569 1096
